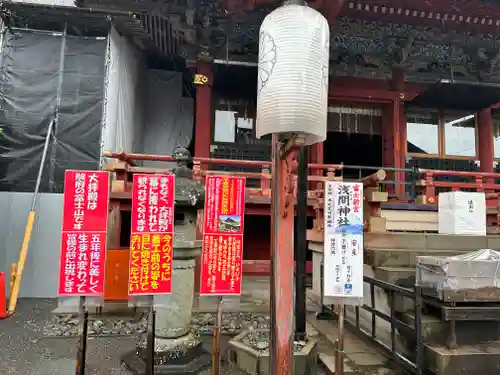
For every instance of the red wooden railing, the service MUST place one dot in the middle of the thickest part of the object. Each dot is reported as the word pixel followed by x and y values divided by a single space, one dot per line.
pixel 477 181
pixel 426 184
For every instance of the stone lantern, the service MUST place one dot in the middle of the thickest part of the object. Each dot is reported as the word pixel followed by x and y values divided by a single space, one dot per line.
pixel 177 350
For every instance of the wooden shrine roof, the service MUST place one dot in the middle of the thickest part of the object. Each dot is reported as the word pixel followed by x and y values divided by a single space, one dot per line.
pixel 429 39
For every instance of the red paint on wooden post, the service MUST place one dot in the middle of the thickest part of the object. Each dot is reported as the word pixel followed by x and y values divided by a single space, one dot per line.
pixel 399 129
pixel 485 142
pixel 202 135
pixel 203 125
pixel 282 223
pixel 316 156
pixel 388 144
pixel 401 187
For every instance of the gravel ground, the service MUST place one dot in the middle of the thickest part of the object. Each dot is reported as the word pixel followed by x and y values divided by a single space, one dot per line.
pixel 25 348
pixel 202 323
pixel 259 340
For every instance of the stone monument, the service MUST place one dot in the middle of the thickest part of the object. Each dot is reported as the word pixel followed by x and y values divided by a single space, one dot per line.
pixel 177 350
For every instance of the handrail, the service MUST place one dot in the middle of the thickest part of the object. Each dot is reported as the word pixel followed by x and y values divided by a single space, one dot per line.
pixel 413 365
pixel 438 172
pixel 478 181
pixel 131 157
pixel 402 184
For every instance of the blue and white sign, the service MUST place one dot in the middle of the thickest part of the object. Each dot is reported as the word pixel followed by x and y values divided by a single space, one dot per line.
pixel 343 246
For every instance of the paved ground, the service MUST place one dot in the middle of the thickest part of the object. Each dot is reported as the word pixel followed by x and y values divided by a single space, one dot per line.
pixel 24 350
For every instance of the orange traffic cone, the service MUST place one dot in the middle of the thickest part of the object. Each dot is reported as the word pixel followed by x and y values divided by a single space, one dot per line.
pixel 3 310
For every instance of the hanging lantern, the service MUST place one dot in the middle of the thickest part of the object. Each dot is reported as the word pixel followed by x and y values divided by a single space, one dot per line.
pixel 294 53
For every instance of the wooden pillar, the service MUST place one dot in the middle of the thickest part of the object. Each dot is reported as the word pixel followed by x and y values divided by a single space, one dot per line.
pixel 388 144
pixel 402 149
pixel 202 137
pixel 387 137
pixel 203 124
pixel 394 145
pixel 316 153
pixel 398 132
pixel 485 141
pixel 316 157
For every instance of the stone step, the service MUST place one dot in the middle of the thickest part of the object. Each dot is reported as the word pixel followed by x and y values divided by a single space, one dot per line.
pixel 433 241
pixel 476 359
pixel 435 331
pixel 402 257
pixel 395 275
pixel 328 364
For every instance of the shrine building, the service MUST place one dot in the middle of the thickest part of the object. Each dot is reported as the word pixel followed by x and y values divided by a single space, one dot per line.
pixel 413 85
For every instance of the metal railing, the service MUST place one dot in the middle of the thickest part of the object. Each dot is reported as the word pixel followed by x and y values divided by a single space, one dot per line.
pixel 414 364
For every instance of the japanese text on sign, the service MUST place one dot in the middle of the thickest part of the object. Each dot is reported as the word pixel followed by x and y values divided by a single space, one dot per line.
pixel 153 202
pixel 151 242
pixel 222 254
pixel 343 274
pixel 150 263
pixel 83 245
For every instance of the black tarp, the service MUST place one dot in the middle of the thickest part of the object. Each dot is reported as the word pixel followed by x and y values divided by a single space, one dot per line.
pixel 45 76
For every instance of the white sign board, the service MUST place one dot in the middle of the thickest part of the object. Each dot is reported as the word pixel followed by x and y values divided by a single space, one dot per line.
pixel 343 247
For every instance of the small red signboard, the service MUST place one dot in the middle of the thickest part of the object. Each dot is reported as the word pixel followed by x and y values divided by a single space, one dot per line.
pixel 151 241
pixel 85 218
pixel 222 255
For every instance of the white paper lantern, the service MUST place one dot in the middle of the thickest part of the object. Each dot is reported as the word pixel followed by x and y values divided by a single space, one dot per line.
pixel 294 53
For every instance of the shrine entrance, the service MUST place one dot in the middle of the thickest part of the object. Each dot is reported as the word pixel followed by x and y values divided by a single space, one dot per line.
pixel 354 138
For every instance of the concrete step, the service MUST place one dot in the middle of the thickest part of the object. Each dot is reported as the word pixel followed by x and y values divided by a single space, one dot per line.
pixel 395 275
pixel 477 359
pixel 328 362
pixel 435 331
pixel 432 241
pixel 402 257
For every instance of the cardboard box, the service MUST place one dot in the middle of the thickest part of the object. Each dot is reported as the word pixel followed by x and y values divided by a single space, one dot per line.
pixel 462 213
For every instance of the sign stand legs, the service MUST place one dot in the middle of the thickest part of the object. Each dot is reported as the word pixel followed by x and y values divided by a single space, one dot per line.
pixel 324 314
pixel 216 339
pixel 150 349
pixel 339 355
pixel 82 345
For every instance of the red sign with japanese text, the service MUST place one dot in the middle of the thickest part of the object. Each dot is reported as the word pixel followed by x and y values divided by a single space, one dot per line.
pixel 85 220
pixel 151 241
pixel 222 255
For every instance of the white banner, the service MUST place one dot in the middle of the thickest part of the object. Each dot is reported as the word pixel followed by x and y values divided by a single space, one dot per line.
pixel 343 246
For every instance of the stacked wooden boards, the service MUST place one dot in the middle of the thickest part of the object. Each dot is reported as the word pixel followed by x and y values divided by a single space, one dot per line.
pixel 405 217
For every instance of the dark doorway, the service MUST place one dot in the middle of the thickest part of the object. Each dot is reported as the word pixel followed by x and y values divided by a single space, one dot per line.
pixel 353 149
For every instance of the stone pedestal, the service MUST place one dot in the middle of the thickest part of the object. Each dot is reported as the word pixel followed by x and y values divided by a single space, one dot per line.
pixel 177 351
pixel 249 352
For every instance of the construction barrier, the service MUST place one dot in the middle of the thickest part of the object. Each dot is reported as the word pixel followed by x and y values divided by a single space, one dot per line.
pixel 3 308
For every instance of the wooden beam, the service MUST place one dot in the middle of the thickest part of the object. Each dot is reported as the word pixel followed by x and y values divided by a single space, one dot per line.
pixel 263 267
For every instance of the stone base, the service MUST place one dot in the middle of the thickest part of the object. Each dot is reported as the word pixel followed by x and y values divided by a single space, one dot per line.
pixel 476 359
pixel 435 331
pixel 71 307
pixel 192 361
pixel 253 361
